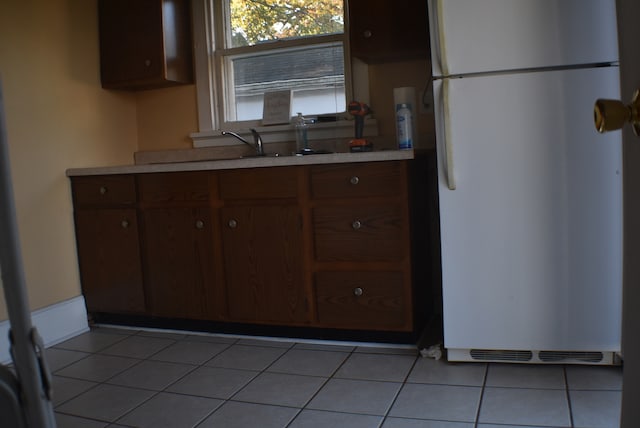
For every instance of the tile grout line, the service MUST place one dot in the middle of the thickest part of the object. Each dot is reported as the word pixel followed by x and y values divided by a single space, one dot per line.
pixel 476 422
pixel 568 395
pixel 315 394
pixel 402 385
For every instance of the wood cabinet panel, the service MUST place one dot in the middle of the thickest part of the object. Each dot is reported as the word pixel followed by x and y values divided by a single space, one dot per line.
pixel 179 260
pixel 259 183
pixel 384 31
pixel 356 180
pixel 263 263
pixel 109 258
pixel 145 44
pixel 362 299
pixel 359 233
pixel 104 190
pixel 179 187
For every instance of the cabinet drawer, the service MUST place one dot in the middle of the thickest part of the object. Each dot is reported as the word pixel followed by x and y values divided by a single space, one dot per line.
pixel 359 233
pixel 259 183
pixel 361 299
pixel 174 187
pixel 357 180
pixel 104 190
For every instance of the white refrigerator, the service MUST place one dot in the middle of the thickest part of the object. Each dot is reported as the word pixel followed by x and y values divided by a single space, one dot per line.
pixel 530 194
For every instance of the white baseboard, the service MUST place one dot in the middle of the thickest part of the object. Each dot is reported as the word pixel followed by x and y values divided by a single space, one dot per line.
pixel 55 324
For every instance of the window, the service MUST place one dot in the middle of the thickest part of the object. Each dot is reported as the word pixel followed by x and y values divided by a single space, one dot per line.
pixel 245 48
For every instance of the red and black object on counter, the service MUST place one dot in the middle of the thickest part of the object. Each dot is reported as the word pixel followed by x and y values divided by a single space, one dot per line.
pixel 359 110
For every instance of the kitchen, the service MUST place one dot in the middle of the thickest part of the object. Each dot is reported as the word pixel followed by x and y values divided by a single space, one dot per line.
pixel 54 61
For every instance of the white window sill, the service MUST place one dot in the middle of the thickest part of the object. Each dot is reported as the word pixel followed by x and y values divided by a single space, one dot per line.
pixel 285 133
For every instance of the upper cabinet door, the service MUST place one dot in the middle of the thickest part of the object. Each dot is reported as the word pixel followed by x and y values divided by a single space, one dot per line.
pixel 144 44
pixel 496 35
pixel 386 31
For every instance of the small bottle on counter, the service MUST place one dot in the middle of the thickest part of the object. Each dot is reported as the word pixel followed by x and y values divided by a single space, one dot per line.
pixel 301 128
pixel 404 126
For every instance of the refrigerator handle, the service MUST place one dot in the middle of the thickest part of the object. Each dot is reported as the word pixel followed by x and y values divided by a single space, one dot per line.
pixel 442 57
pixel 448 144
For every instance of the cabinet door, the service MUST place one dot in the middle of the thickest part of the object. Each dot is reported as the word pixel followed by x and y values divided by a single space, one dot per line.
pixel 362 232
pixel 363 299
pixel 383 30
pixel 179 260
pixel 144 43
pixel 109 257
pixel 263 263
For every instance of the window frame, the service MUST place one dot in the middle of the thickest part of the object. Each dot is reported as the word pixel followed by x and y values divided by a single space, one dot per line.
pixel 209 51
pixel 209 85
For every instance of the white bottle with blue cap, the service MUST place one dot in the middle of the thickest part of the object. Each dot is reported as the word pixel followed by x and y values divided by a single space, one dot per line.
pixel 404 126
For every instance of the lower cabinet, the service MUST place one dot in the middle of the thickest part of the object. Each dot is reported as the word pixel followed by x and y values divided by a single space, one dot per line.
pixel 263 264
pixel 362 299
pixel 325 246
pixel 109 258
pixel 107 237
pixel 178 252
pixel 178 257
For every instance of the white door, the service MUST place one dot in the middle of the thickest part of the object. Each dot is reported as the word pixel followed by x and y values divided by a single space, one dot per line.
pixel 629 34
pixel 489 35
pixel 530 244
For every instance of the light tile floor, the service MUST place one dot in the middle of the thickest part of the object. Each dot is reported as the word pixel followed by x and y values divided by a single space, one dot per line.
pixel 113 377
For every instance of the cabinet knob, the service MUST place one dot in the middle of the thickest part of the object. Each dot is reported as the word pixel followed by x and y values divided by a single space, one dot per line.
pixel 354 180
pixel 199 224
pixel 357 291
pixel 147 63
pixel 124 224
pixel 357 224
pixel 103 190
pixel 367 34
pixel 233 223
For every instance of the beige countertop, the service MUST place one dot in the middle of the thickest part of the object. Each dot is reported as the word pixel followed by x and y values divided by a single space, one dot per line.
pixel 248 162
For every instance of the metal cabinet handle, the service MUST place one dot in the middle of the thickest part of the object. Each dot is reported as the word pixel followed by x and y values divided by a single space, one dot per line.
pixel 103 190
pixel 357 224
pixel 358 291
pixel 354 180
pixel 124 224
pixel 199 224
pixel 233 223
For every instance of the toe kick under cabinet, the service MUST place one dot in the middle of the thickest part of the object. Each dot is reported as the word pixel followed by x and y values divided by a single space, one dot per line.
pixel 312 246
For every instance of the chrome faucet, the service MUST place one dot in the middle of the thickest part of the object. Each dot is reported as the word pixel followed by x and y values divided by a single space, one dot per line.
pixel 257 140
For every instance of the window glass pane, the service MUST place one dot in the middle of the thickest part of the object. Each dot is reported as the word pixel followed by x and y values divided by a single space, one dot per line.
pixel 314 74
pixel 257 21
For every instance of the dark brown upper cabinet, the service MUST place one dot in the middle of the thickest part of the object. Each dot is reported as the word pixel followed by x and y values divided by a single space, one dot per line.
pixel 388 31
pixel 145 44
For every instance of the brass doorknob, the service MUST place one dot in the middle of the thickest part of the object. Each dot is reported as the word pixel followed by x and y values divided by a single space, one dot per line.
pixel 610 115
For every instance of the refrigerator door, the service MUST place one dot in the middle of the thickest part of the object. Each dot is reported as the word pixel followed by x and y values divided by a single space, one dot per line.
pixel 492 35
pixel 532 234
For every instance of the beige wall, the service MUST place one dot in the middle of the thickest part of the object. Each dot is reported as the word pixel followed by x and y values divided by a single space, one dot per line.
pixel 58 117
pixel 166 117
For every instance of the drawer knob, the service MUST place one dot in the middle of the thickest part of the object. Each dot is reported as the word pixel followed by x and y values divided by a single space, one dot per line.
pixel 103 190
pixel 357 291
pixel 367 34
pixel 233 223
pixel 199 224
pixel 357 224
pixel 124 224
pixel 147 63
pixel 355 180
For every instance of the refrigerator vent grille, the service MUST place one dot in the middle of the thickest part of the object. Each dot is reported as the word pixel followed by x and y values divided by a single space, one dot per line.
pixel 583 357
pixel 496 355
